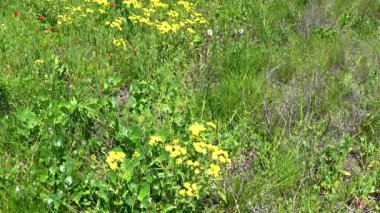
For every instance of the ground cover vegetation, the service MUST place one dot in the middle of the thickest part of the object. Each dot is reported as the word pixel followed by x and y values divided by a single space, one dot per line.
pixel 189 106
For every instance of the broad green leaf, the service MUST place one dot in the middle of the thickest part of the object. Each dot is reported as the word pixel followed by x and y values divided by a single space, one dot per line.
pixel 77 196
pixel 144 192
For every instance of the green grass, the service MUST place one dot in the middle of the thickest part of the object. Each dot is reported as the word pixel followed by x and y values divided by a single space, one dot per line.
pixel 294 87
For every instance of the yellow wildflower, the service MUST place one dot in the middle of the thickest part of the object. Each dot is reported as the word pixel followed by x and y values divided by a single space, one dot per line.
pixel 135 154
pixel 196 128
pixel 114 158
pixel 179 161
pixel 88 10
pixel 173 13
pixel 154 140
pixel 190 30
pixel 39 61
pixel 93 157
pixel 200 147
pixel 116 23
pixel 182 192
pixel 190 190
pixel 164 27
pixel 133 3
pixel 119 42
pixel 102 2
pixel 211 124
pixel 186 5
pixel 157 4
pixel 214 170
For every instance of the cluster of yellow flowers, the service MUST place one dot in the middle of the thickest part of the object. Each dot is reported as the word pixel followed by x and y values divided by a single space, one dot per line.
pixel 39 61
pixel 119 42
pixel 104 3
pixel 115 158
pixel 64 19
pixel 194 165
pixel 196 129
pixel 117 23
pixel 214 170
pixel 154 140
pixel 176 150
pixel 208 164
pixel 88 7
pixel 135 154
pixel 164 17
pixel 191 190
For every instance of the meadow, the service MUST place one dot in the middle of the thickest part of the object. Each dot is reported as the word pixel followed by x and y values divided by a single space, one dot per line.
pixel 189 106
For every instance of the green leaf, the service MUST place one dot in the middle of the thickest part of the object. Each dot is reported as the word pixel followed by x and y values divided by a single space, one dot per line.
pixel 144 192
pixel 222 194
pixel 112 177
pixel 162 157
pixel 43 176
pixel 77 196
pixel 169 208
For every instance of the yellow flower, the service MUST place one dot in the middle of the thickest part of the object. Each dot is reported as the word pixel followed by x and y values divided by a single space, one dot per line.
pixel 182 192
pixel 194 186
pixel 133 3
pixel 190 30
pixel 191 163
pixel 221 155
pixel 114 158
pixel 119 42
pixel 186 5
pixel 173 13
pixel 211 124
pixel 135 154
pixel 93 157
pixel 154 140
pixel 39 61
pixel 88 10
pixel 200 147
pixel 197 171
pixel 169 148
pixel 179 161
pixel 157 4
pixel 175 150
pixel 116 23
pixel 214 170
pixel 190 190
pixel 187 185
pixel 196 128
pixel 164 27
pixel 190 193
pixel 102 2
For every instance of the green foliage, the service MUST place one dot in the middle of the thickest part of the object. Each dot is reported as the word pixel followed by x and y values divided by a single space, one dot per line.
pixel 105 106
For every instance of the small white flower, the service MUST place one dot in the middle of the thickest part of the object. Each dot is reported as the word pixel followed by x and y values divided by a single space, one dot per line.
pixel 62 168
pixel 49 201
pixel 58 143
pixel 241 31
pixel 18 190
pixel 209 32
pixel 69 180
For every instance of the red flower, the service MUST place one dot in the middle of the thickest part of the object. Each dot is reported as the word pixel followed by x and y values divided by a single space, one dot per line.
pixel 41 18
pixel 112 5
pixel 15 13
